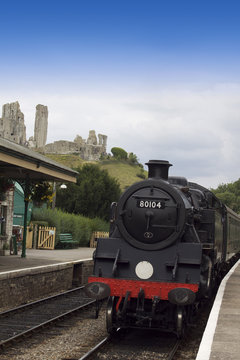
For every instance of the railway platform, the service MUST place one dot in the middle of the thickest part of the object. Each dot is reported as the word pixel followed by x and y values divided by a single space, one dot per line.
pixel 221 339
pixel 35 258
pixel 41 273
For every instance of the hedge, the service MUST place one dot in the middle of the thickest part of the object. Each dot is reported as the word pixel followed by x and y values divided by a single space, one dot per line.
pixel 79 226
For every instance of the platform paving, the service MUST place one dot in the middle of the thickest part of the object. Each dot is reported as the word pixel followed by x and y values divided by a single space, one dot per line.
pixel 35 258
pixel 221 339
pixel 226 341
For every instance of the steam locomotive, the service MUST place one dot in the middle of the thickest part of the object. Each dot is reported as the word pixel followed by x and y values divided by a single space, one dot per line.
pixel 169 241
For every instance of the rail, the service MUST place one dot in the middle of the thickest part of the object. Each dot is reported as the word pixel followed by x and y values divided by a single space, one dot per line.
pixel 20 321
pixel 125 345
pixel 95 348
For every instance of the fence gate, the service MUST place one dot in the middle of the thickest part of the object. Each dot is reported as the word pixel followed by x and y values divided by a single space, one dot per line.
pixel 96 235
pixel 46 237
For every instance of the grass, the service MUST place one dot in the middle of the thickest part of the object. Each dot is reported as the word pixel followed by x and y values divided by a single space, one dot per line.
pixel 123 171
pixel 70 160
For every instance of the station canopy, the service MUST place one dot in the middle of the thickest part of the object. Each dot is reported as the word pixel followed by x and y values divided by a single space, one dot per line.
pixel 20 163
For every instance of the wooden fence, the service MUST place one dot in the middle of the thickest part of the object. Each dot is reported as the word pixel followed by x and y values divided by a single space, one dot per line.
pixel 96 235
pixel 46 237
pixel 29 238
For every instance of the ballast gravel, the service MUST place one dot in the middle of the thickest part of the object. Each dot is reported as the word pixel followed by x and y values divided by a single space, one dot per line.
pixel 66 340
pixel 72 338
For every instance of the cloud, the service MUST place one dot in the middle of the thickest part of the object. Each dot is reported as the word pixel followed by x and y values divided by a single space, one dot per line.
pixel 195 128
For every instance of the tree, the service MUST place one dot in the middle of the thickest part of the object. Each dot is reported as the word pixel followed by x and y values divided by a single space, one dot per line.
pixel 229 194
pixel 92 195
pixel 119 153
pixel 133 159
pixel 227 198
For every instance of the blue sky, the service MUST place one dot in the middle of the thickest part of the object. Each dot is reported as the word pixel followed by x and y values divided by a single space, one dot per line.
pixel 164 39
pixel 160 78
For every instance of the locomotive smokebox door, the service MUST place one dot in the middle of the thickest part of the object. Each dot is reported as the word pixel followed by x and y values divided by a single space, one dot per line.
pixel 151 215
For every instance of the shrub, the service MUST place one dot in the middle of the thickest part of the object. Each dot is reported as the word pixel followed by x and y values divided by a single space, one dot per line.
pixel 119 153
pixel 79 226
pixel 132 158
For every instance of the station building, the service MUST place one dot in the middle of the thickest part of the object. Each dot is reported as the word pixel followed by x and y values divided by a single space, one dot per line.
pixel 20 164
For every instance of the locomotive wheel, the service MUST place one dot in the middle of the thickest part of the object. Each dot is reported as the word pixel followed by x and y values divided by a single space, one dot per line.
pixel 180 322
pixel 110 315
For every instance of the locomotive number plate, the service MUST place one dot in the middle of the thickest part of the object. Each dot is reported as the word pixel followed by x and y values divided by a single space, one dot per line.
pixel 151 204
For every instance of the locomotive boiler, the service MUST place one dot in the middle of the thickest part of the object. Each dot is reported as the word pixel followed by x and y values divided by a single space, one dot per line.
pixel 169 241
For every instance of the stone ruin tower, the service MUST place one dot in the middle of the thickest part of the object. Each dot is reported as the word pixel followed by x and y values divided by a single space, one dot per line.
pixel 12 125
pixel 40 128
pixel 41 125
pixel 92 138
pixel 102 140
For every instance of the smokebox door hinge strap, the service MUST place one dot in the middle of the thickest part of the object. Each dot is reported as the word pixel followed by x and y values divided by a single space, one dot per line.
pixel 114 269
pixel 174 271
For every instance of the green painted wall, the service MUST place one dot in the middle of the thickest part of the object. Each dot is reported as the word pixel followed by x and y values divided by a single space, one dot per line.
pixel 18 212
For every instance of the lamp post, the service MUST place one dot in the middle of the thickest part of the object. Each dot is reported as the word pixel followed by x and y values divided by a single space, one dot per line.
pixel 26 186
pixel 55 194
pixel 63 186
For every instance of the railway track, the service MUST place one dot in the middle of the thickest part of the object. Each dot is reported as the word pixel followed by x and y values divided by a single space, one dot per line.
pixel 94 350
pixel 25 319
pixel 126 345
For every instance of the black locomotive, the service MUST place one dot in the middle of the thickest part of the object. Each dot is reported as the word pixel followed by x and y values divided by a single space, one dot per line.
pixel 169 241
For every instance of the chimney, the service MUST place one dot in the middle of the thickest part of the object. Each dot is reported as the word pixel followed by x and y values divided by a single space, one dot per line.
pixel 158 169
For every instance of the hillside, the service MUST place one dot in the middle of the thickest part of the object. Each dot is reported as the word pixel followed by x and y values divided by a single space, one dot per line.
pixel 121 170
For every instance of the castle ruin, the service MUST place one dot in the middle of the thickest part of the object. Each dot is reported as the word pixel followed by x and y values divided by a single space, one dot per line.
pixel 89 149
pixel 40 128
pixel 12 127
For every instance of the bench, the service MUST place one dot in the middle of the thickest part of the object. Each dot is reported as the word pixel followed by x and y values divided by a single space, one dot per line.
pixel 66 240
